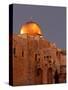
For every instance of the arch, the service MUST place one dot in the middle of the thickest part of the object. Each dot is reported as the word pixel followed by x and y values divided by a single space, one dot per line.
pixel 56 77
pixel 49 76
pixel 39 74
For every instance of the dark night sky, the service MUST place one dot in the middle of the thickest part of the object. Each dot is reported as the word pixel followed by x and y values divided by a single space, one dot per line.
pixel 51 19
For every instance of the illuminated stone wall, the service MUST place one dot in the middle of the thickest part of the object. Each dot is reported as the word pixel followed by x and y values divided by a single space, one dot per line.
pixel 36 61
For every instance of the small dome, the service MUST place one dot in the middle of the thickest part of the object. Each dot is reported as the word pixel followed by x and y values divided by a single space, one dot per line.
pixel 31 28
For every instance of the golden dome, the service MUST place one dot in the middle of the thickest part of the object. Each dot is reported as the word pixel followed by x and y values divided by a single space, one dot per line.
pixel 31 28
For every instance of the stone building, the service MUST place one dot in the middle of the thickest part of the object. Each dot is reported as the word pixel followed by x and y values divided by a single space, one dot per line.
pixel 35 60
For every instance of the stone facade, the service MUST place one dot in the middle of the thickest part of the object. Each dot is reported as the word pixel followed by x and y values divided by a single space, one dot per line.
pixel 37 61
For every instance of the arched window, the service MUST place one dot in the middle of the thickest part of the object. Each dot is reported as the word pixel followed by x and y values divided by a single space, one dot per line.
pixel 39 71
pixel 22 53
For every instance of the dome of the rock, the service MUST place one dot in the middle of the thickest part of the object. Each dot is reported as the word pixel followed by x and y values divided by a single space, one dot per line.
pixel 30 28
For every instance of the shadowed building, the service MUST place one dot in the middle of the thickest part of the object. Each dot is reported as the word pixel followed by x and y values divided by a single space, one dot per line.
pixel 35 59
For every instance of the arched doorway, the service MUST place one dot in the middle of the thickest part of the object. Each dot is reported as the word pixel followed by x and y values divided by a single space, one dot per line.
pixel 49 76
pixel 38 76
pixel 56 77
